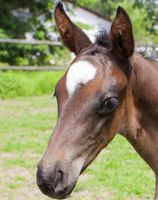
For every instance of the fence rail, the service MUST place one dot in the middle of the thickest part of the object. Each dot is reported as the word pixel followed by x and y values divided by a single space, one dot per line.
pixel 33 42
pixel 55 42
pixel 31 68
pixel 147 45
pixel 153 52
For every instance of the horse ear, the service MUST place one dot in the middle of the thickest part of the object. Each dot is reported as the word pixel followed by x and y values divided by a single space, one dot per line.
pixel 121 35
pixel 73 37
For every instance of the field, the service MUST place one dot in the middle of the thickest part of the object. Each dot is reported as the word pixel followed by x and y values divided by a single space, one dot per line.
pixel 25 127
pixel 21 83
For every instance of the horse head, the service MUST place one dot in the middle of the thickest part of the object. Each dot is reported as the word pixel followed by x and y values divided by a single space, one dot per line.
pixel 91 101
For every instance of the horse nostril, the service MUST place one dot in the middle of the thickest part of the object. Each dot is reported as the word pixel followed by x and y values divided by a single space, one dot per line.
pixel 60 174
pixel 58 177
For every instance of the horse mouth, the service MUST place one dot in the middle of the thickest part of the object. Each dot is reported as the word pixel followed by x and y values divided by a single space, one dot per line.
pixel 65 193
pixel 49 191
pixel 68 190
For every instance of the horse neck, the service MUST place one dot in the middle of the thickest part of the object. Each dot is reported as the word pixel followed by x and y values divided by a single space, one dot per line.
pixel 140 124
pixel 145 80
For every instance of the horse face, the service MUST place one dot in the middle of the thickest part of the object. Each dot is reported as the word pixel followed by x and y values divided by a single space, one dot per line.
pixel 90 99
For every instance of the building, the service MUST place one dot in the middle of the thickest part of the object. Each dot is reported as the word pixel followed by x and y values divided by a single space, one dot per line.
pixel 91 21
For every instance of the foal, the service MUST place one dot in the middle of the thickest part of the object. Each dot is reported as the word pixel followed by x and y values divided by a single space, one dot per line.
pixel 108 88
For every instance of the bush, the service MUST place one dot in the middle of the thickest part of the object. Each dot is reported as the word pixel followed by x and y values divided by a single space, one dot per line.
pixel 35 55
pixel 20 19
pixel 14 84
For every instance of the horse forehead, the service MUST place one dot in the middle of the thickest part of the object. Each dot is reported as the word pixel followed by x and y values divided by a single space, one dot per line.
pixel 79 73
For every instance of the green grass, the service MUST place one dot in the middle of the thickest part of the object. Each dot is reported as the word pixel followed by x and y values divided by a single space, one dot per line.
pixel 14 84
pixel 25 127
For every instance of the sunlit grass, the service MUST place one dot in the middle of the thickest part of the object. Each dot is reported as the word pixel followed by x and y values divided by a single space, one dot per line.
pixel 19 83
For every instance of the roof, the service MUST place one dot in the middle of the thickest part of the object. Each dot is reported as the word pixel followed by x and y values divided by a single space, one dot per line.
pixel 89 10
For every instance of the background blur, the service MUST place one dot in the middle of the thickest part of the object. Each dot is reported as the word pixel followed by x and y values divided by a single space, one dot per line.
pixel 32 59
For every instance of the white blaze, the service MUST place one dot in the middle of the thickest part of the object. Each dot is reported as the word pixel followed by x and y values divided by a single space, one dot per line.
pixel 79 73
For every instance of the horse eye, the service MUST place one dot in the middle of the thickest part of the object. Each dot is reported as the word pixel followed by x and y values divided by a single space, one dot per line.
pixel 110 104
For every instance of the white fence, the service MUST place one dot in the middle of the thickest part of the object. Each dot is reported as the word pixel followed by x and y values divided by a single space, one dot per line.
pixel 150 50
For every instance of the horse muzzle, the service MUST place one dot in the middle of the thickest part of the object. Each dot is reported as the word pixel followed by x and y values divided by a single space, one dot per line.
pixel 56 181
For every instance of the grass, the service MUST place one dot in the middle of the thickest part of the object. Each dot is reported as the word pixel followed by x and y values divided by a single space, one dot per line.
pixel 118 173
pixel 14 84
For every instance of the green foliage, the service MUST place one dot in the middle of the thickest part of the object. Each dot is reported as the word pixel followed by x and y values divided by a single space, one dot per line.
pixel 13 84
pixel 102 6
pixel 84 26
pixel 37 55
pixel 151 12
pixel 20 17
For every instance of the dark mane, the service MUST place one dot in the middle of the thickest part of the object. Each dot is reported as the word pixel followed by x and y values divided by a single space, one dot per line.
pixel 102 39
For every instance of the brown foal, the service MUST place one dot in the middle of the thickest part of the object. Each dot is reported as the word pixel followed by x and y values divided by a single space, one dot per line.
pixel 108 88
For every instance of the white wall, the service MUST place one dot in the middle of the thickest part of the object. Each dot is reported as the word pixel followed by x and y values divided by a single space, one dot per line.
pixel 84 16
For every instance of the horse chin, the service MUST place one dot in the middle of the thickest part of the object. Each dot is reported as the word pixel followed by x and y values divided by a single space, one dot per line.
pixel 63 194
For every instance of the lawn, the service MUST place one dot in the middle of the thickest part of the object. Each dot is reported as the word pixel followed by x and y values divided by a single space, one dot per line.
pixel 25 127
pixel 27 83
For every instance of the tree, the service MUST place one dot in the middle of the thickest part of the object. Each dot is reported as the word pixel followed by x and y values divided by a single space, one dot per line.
pixel 21 18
